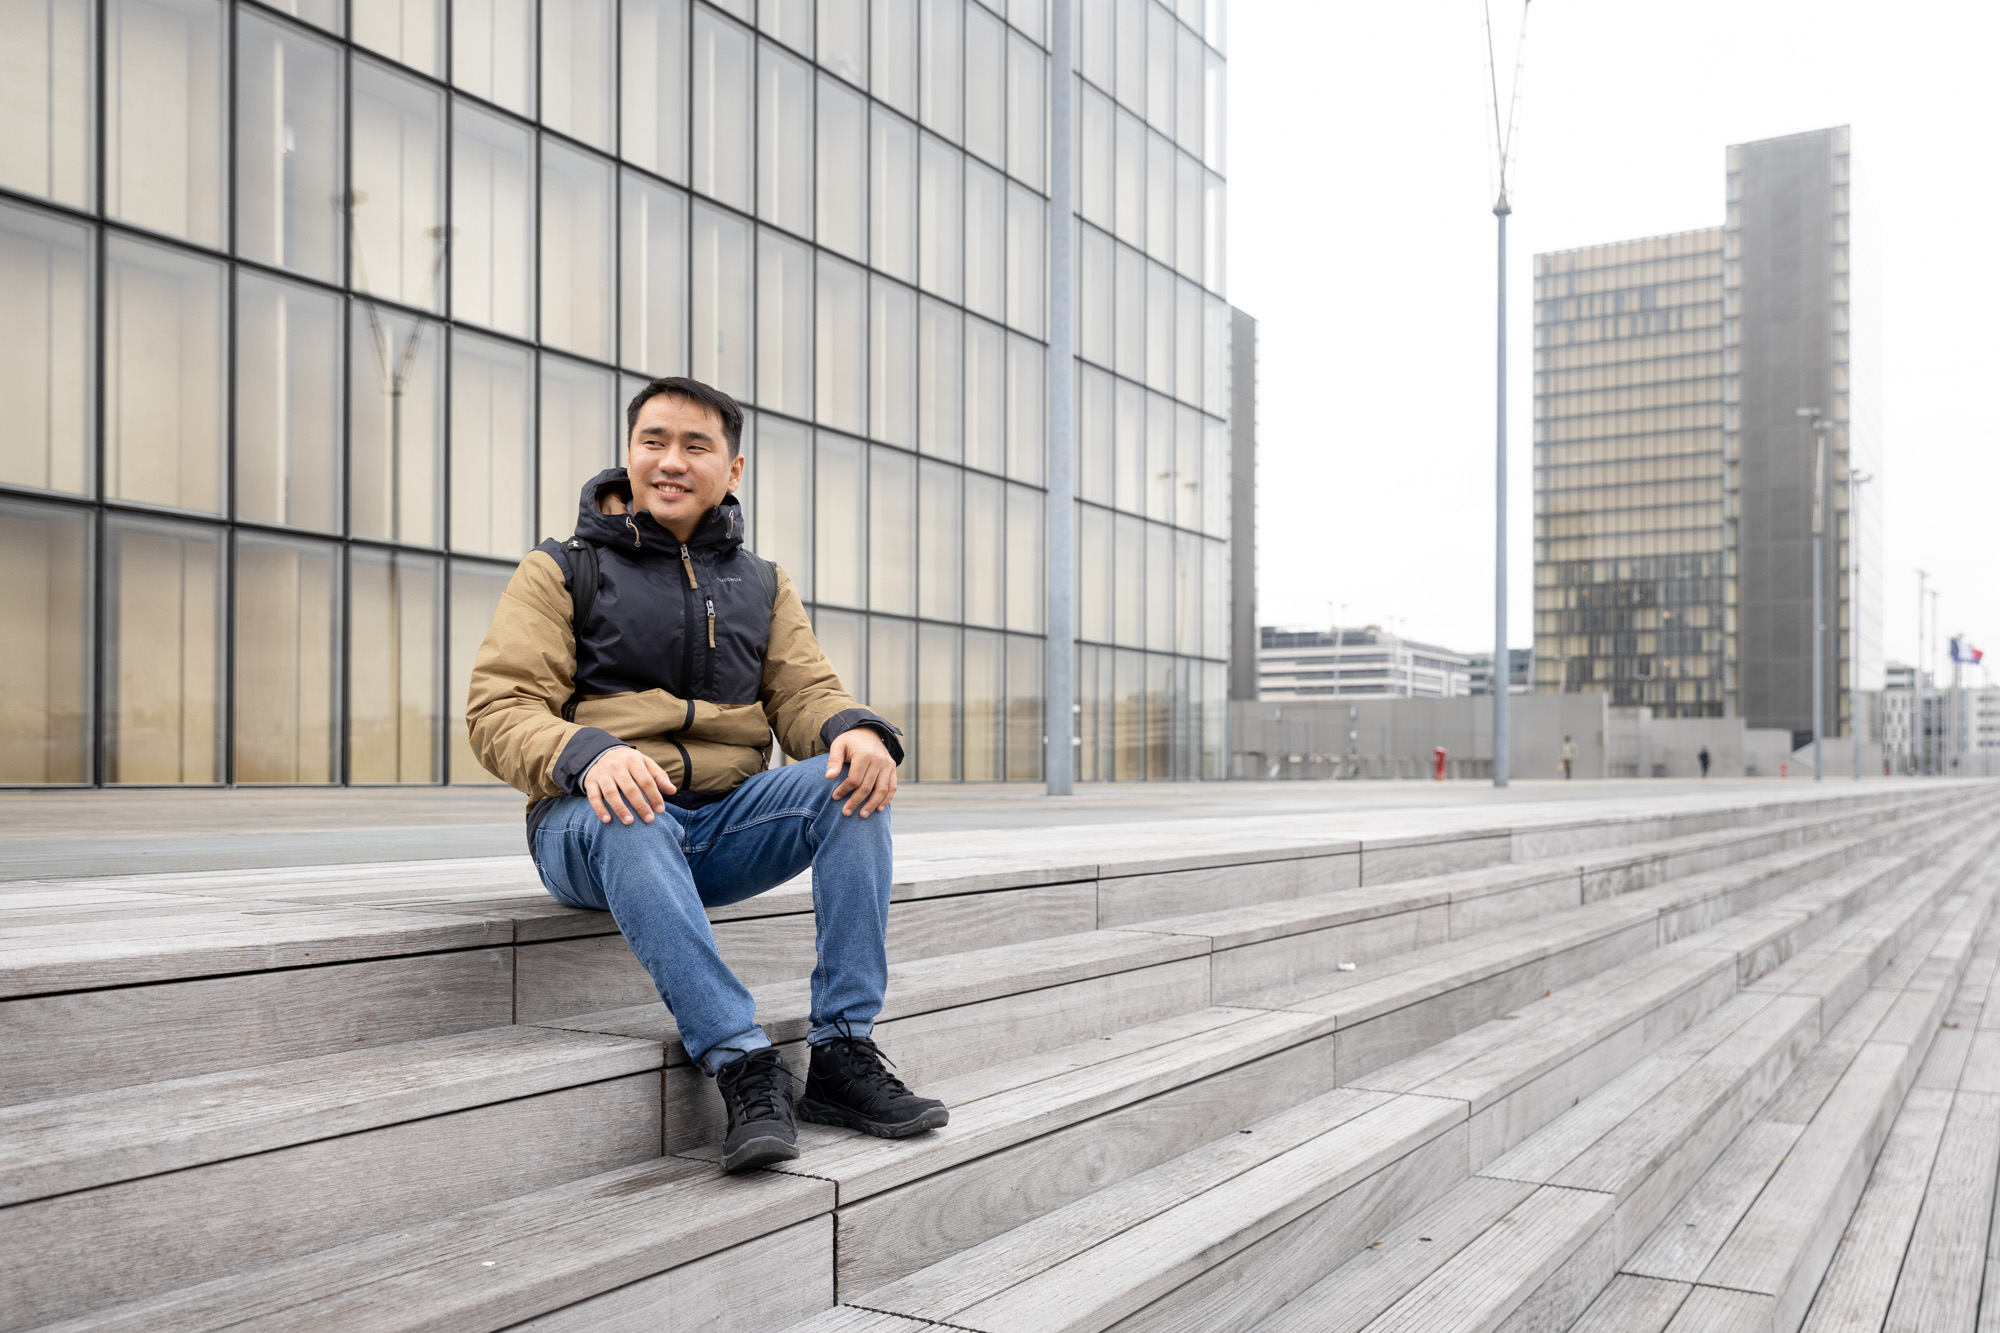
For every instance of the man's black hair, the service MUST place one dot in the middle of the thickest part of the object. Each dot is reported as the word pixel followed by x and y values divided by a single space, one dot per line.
pixel 715 400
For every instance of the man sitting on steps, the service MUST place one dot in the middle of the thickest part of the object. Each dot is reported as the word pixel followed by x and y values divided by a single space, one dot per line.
pixel 630 685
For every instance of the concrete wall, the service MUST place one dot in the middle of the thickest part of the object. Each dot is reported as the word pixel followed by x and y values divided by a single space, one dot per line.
pixel 1395 737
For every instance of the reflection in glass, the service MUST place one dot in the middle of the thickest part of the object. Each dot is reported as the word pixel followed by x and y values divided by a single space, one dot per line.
pixel 399 239
pixel 1187 217
pixel 1215 477
pixel 1027 273
pixel 493 51
pixel 842 351
pixel 1095 45
pixel 1027 102
pixel 723 110
pixel 1160 70
pixel 940 231
pixel 843 39
pixel 653 86
pixel 1131 317
pixel 289 94
pixel 653 301
pixel 1095 448
pixel 1160 198
pixel 938 545
pixel 1159 458
pixel 892 676
pixel 784 324
pixel 493 216
pixel 1215 355
pixel 892 531
pixel 492 431
pixel 581 436
pixel 782 477
pixel 287 684
pixel 47 100
pixel 1159 328
pixel 1095 317
pixel 784 140
pixel 843 637
pixel 1093 567
pixel 892 363
pixel 892 70
pixel 288 403
pixel 165 135
pixel 475 596
pixel 985 85
pixel 1132 54
pixel 1024 709
pixel 1094 167
pixel 1129 603
pixel 893 195
pixel 985 241
pixel 940 364
pixel 843 169
pixel 1215 607
pixel 1158 705
pixel 985 396
pixel 45 616
pixel 943 61
pixel 577 84
pixel 1188 81
pixel 410 32
pixel 984 712
pixel 985 550
pixel 1024 559
pixel 1129 421
pixel 396 401
pixel 840 522
pixel 163 652
pixel 395 651
pixel 790 21
pixel 1027 412
pixel 1213 249
pixel 937 703
pixel 578 245
pixel 164 370
pixel 720 305
pixel 46 277
pixel 1187 341
pixel 1129 192
pixel 1188 575
pixel 1159 588
pixel 1128 716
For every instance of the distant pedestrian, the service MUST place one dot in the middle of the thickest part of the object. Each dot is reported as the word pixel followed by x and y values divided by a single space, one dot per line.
pixel 1703 757
pixel 1569 757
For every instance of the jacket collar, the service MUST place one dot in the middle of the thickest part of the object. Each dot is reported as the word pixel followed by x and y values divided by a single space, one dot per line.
pixel 720 530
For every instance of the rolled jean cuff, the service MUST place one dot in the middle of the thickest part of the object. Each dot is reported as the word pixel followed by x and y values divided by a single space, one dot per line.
pixel 731 1049
pixel 826 1032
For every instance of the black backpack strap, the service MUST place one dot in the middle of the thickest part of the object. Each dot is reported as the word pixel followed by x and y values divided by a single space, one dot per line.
pixel 582 596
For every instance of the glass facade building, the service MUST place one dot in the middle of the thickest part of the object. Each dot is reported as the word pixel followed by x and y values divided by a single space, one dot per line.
pixel 321 312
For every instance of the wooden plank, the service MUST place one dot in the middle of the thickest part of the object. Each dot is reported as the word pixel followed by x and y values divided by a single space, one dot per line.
pixel 1939 1285
pixel 1385 861
pixel 1982 1063
pixel 1564 1295
pixel 1633 1305
pixel 1244 971
pixel 87 1041
pixel 1946 1061
pixel 1807 1089
pixel 1714 1310
pixel 852 1319
pixel 1124 900
pixel 1686 1239
pixel 1235 927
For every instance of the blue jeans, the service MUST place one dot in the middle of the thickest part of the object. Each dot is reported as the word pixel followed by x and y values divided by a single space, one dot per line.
pixel 656 878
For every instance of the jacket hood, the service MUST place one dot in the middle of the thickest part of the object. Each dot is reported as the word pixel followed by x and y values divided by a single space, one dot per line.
pixel 720 530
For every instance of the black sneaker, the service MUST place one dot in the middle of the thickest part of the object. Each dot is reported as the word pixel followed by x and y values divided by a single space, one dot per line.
pixel 850 1084
pixel 756 1090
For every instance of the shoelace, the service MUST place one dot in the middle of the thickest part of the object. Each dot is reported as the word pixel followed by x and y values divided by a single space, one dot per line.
pixel 761 1089
pixel 873 1065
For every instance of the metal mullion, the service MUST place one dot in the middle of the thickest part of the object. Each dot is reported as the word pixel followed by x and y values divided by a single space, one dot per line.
pixel 448 349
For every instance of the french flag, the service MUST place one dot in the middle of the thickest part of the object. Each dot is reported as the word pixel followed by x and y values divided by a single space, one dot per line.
pixel 1963 651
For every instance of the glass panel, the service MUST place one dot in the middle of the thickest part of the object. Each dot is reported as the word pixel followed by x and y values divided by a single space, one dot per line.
pixel 892 531
pixel 577 85
pixel 739 8
pixel 720 303
pixel 1213 249
pixel 1131 318
pixel 399 242
pixel 1129 421
pixel 842 352
pixel 783 478
pixel 1215 356
pixel 493 217
pixel 493 51
pixel 790 21
pixel 892 363
pixel 1132 54
pixel 943 59
pixel 289 92
pixel 1159 458
pixel 1159 69
pixel 1096 451
pixel 653 277
pixel 396 469
pixel 893 50
pixel 287 687
pixel 1187 467
pixel 985 85
pixel 1129 602
pixel 1025 660
pixel 165 136
pixel 1187 342
pixel 1159 588
pixel 1093 720
pixel 164 339
pixel 1160 198
pixel 580 438
pixel 723 109
pixel 1159 705
pixel 1024 559
pixel 288 402
pixel 940 363
pixel 1187 216
pixel 940 229
pixel 843 637
pixel 843 170
pixel 1159 328
pixel 985 549
pixel 395 652
pixel 985 720
pixel 1027 103
pixel 938 541
pixel 1128 716
pixel 1095 171
pixel 893 214
pixel 1095 589
pixel 1214 599
pixel 652 43
pixel 937 703
pixel 46 271
pixel 492 423
pixel 475 596
pixel 47 95
pixel 1129 185
pixel 1215 478
pixel 1188 74
pixel 1027 409
pixel 163 660
pixel 843 39
pixel 985 241
pixel 1027 15
pixel 1095 44
pixel 840 523
pixel 892 676
pixel 985 396
pixel 579 244
pixel 1027 274
pixel 784 324
pixel 410 32
pixel 784 140
pixel 45 614
pixel 1095 322
pixel 1187 593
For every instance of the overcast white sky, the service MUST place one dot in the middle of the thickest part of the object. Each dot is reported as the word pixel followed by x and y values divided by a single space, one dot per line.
pixel 1361 238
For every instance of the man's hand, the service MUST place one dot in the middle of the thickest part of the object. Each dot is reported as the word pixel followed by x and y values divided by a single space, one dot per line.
pixel 622 781
pixel 871 773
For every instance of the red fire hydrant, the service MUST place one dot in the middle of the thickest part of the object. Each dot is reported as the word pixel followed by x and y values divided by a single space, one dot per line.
pixel 1438 760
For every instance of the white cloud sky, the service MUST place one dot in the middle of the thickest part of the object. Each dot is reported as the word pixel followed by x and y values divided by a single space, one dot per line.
pixel 1361 238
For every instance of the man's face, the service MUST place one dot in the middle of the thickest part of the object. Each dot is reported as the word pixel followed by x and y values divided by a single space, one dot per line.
pixel 678 461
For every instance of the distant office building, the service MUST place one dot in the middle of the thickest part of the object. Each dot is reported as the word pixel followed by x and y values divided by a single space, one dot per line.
pixel 1367 663
pixel 1242 507
pixel 1673 474
pixel 1520 671
pixel 1913 718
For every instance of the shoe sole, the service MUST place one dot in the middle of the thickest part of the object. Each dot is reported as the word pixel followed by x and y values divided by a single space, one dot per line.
pixel 825 1113
pixel 759 1152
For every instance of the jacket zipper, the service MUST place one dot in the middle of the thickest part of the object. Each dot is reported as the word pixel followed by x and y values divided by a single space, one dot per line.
pixel 687 563
pixel 711 635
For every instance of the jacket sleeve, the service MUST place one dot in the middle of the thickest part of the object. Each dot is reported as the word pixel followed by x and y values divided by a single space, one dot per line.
pixel 521 680
pixel 801 695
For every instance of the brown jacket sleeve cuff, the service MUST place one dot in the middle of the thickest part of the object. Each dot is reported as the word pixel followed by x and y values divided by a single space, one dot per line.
pixel 849 718
pixel 579 754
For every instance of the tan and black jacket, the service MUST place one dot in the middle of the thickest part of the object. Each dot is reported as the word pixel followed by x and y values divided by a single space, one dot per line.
pixel 692 653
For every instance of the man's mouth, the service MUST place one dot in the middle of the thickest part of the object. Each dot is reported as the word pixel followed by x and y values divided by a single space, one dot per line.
pixel 672 488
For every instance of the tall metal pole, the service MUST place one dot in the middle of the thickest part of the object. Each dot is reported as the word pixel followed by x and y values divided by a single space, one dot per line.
pixel 1819 579
pixel 1502 673
pixel 1062 740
